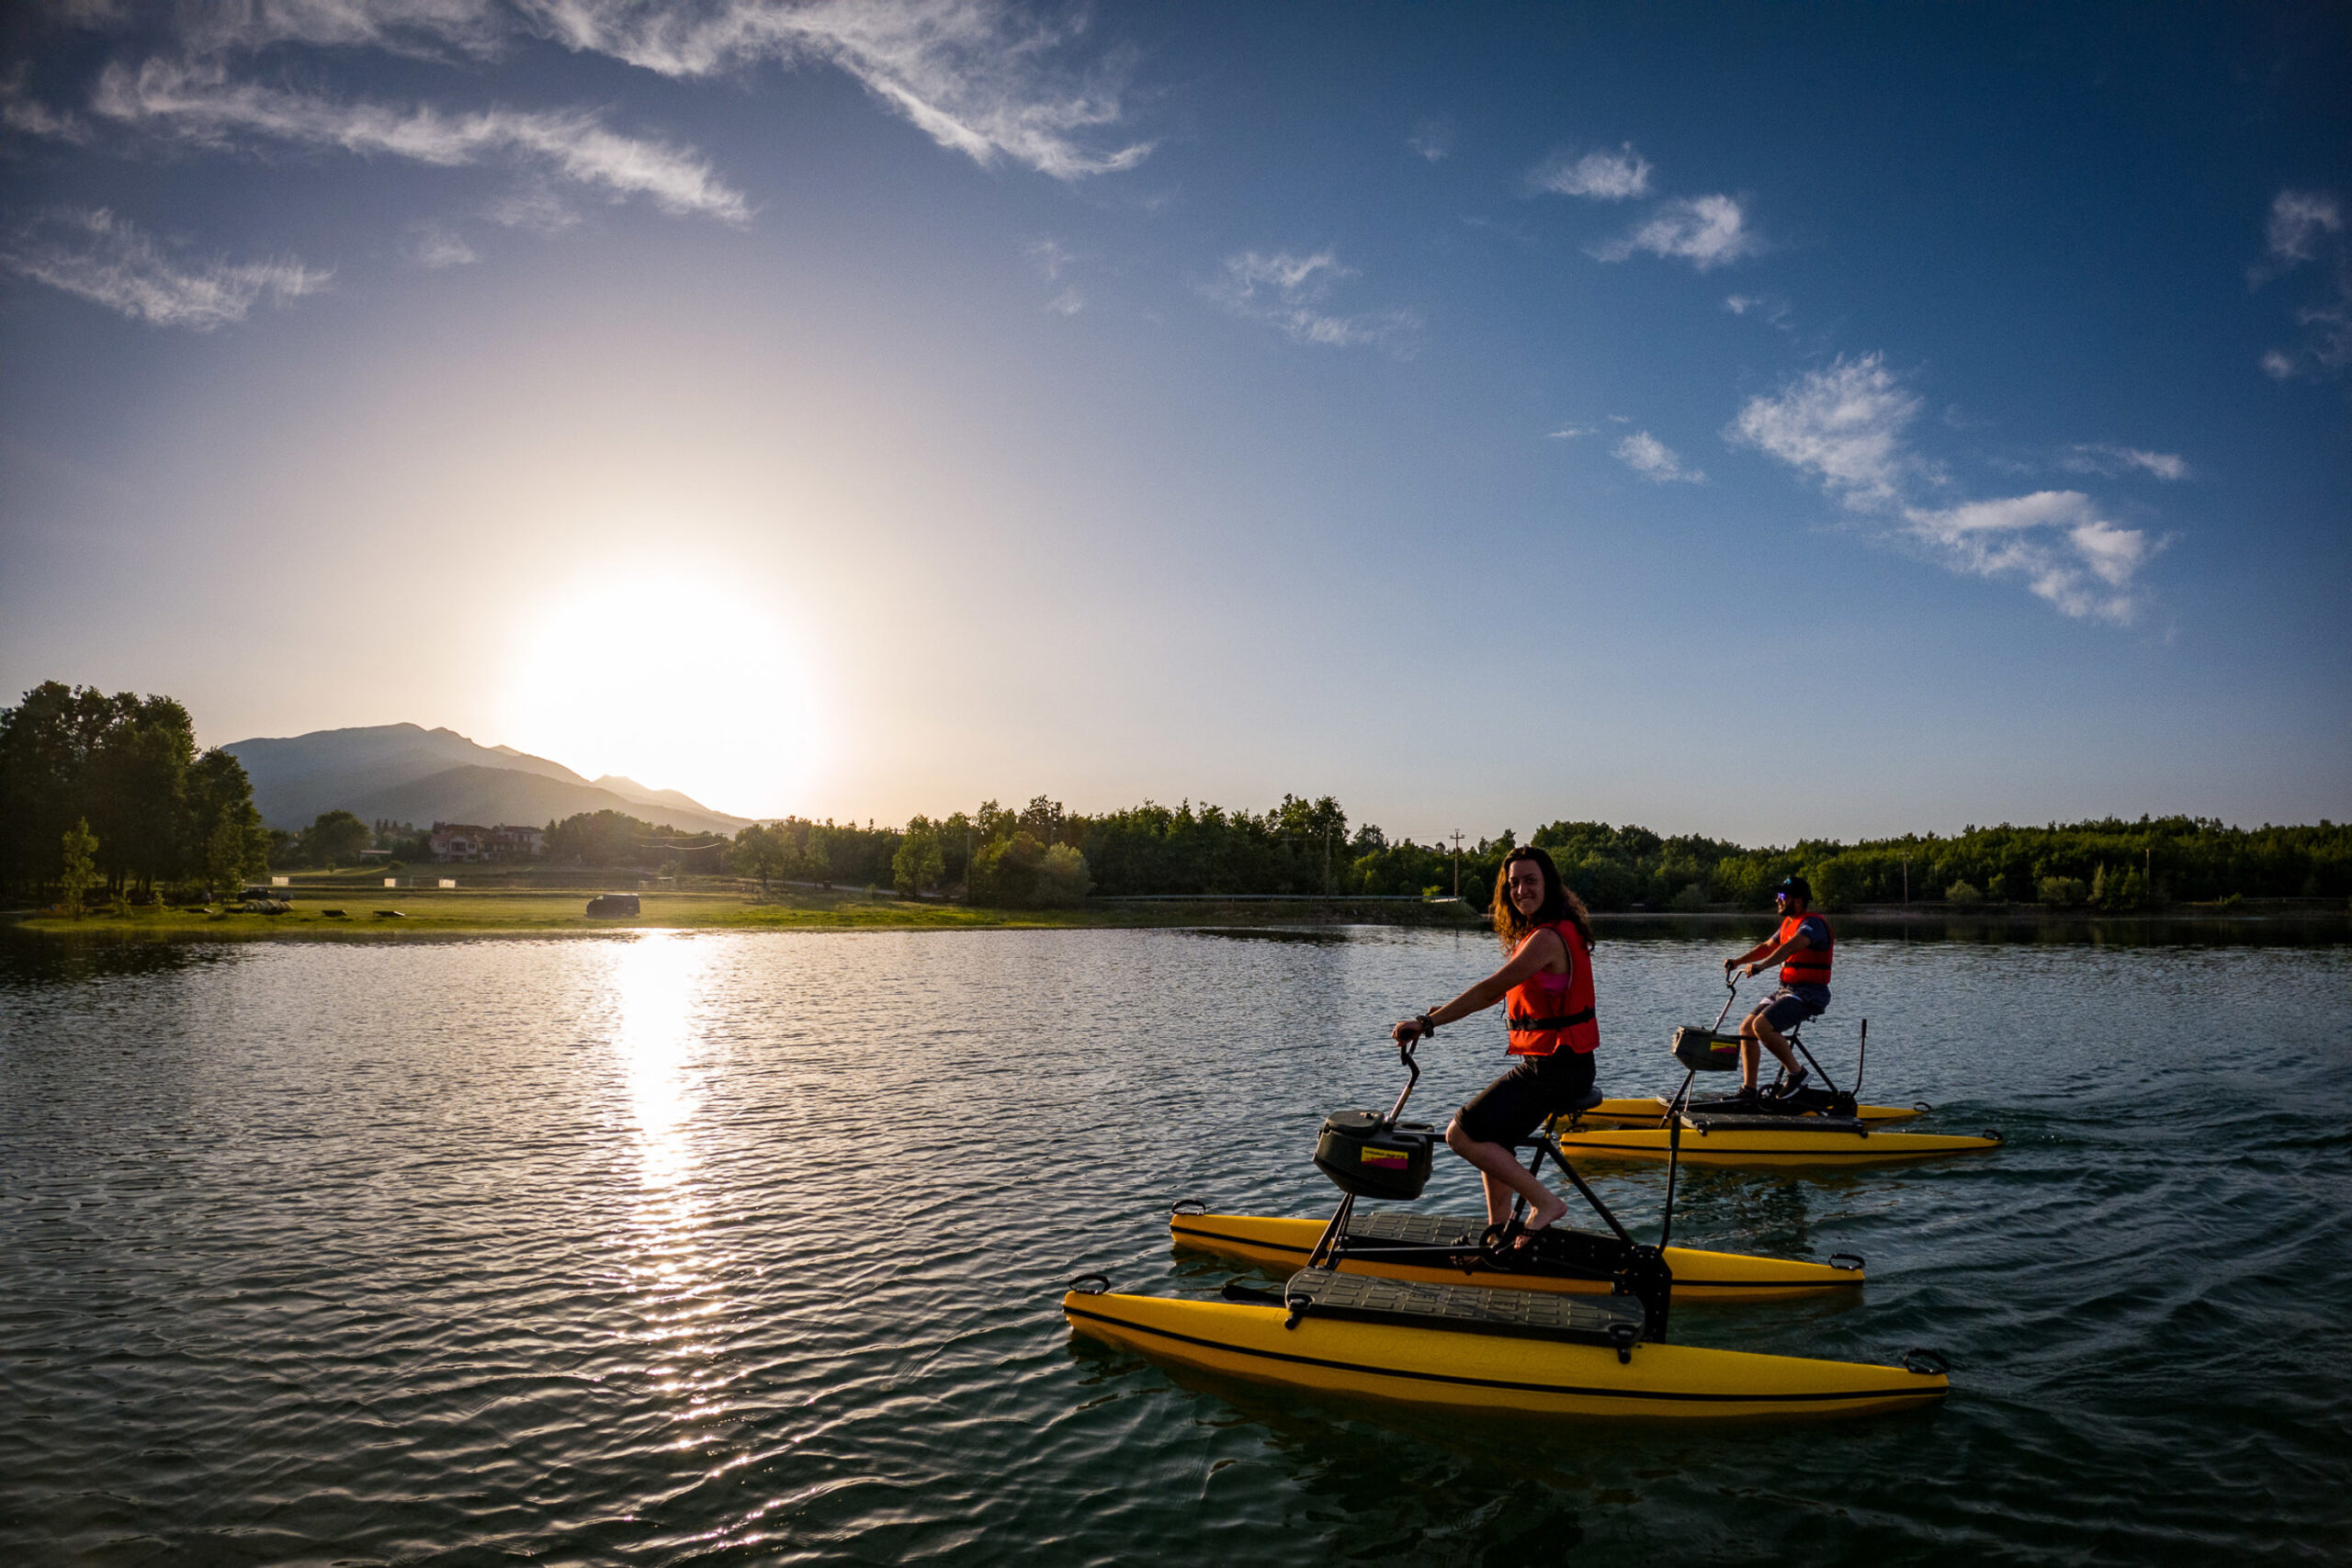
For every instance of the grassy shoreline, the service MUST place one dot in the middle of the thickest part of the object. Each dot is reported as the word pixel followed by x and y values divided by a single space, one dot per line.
pixel 558 911
pixel 541 912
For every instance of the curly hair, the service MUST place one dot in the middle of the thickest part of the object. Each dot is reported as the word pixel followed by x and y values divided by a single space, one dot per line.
pixel 1560 902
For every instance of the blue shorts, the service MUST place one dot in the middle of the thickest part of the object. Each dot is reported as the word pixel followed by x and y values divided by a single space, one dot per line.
pixel 1784 1008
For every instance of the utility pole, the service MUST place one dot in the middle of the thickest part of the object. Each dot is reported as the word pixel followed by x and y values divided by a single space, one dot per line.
pixel 1457 862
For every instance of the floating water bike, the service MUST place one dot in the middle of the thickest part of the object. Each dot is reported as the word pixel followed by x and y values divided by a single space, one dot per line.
pixel 1823 1126
pixel 1355 1321
pixel 1441 1249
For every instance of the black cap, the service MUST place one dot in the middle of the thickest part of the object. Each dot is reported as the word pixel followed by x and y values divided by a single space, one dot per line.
pixel 1795 888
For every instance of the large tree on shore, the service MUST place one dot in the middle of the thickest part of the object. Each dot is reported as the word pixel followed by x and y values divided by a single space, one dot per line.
pixel 223 828
pixel 759 850
pixel 77 867
pixel 125 766
pixel 336 838
pixel 918 864
pixel 45 744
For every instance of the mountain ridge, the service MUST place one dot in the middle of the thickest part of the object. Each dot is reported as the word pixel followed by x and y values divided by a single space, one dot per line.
pixel 409 773
pixel 471 793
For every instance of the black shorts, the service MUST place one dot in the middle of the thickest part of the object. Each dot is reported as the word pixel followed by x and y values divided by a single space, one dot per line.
pixel 1784 1009
pixel 1521 1099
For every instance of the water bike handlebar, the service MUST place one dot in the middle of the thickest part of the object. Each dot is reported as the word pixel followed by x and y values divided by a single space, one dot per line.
pixel 1413 1070
pixel 1731 985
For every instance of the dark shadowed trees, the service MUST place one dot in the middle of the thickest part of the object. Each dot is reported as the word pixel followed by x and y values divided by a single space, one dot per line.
pixel 336 838
pixel 127 767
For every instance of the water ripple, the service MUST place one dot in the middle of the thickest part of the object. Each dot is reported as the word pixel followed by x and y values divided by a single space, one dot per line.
pixel 745 1247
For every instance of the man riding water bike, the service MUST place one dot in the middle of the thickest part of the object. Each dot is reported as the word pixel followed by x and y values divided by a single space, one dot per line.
pixel 1801 947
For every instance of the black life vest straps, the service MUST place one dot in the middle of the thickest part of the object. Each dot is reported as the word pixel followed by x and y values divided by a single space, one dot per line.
pixel 1535 1025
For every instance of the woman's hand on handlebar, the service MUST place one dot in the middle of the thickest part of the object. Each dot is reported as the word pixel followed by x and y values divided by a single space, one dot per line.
pixel 1408 1030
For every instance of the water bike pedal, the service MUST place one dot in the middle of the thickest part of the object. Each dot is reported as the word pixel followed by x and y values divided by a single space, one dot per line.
pixel 1703 1121
pixel 1554 1250
pixel 1813 1102
pixel 1467 1309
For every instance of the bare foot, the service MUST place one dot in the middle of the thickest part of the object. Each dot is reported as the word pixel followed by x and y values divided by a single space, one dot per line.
pixel 1551 1209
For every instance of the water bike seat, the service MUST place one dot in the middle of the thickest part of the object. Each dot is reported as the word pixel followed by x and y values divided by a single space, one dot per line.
pixel 1584 1102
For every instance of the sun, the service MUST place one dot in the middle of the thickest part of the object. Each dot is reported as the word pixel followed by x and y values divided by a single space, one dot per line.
pixel 676 681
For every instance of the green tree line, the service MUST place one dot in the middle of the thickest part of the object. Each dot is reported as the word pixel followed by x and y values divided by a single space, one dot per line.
pixel 616 838
pixel 1044 853
pixel 122 776
pixel 124 773
pixel 2107 862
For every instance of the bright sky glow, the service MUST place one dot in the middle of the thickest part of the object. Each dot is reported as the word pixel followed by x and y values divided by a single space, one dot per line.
pixel 1872 417
pixel 675 681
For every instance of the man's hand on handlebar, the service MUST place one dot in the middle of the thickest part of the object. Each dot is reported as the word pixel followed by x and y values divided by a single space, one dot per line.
pixel 1409 1030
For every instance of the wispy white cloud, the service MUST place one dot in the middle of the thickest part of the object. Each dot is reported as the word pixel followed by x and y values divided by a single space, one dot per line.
pixel 421 28
pixel 1289 292
pixel 20 111
pixel 1432 139
pixel 1602 176
pixel 1843 426
pixel 2055 541
pixel 1571 432
pixel 433 247
pixel 92 252
pixel 1708 231
pixel 1769 309
pixel 2326 347
pixel 2299 223
pixel 981 78
pixel 1050 257
pixel 1655 460
pixel 2308 228
pixel 2111 460
pixel 989 79
pixel 201 105
pixel 531 205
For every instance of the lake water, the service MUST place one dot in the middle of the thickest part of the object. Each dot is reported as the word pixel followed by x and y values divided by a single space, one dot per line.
pixel 747 1247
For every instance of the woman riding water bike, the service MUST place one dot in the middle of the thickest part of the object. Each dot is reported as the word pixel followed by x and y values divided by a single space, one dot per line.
pixel 1547 981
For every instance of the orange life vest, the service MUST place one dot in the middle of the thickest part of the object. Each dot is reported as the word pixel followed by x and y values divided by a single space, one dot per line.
pixel 1810 967
pixel 1546 1011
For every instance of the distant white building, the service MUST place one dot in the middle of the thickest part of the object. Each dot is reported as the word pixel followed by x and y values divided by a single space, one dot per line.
pixel 469 842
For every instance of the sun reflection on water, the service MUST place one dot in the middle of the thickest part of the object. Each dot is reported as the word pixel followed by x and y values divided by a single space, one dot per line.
pixel 668 1264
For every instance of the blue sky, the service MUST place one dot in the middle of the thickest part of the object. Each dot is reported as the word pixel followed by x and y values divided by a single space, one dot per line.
pixel 1760 422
